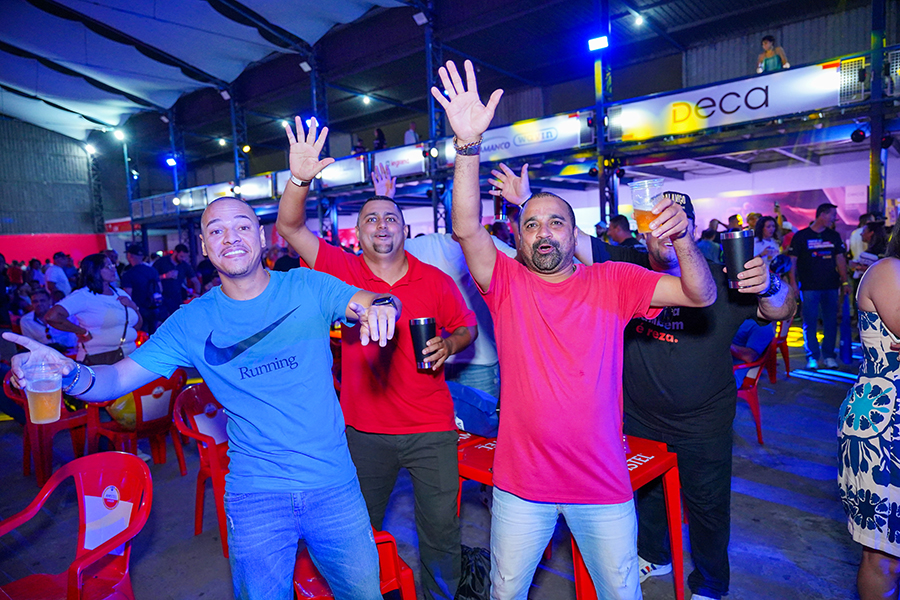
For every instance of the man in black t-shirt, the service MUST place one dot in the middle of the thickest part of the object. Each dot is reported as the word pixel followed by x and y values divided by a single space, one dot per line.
pixel 819 266
pixel 679 389
pixel 141 282
pixel 176 274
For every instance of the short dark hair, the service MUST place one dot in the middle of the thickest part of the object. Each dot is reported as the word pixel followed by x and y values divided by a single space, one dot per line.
pixel 59 254
pixel 824 208
pixel 620 221
pixel 547 195
pixel 708 234
pixel 386 199
pixel 181 248
pixel 39 291
pixel 769 38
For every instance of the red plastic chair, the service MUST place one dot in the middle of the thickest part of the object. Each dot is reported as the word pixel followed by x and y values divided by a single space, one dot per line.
pixel 199 415
pixel 779 343
pixel 394 573
pixel 747 391
pixel 115 492
pixel 37 441
pixel 153 406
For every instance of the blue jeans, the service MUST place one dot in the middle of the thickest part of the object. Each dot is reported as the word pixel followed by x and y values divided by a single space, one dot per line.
pixel 481 377
pixel 606 535
pixel 264 530
pixel 812 302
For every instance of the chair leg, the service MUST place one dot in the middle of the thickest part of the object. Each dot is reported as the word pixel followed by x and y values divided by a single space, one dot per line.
pixel 158 448
pixel 179 450
pixel 772 366
pixel 198 508
pixel 26 452
pixel 78 434
pixel 584 586
pixel 219 494
pixel 753 402
pixel 785 354
pixel 672 494
pixel 42 449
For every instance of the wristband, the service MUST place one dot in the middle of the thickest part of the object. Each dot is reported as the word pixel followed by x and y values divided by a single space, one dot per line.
pixel 774 287
pixel 93 381
pixel 299 182
pixel 470 149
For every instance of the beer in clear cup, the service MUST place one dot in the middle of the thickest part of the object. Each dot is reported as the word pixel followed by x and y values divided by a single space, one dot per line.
pixel 43 388
pixel 644 196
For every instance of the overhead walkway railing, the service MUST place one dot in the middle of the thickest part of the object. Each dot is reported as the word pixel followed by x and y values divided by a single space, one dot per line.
pixel 800 91
pixel 558 133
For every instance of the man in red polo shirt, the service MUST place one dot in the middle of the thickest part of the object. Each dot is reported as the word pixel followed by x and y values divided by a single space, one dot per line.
pixel 396 416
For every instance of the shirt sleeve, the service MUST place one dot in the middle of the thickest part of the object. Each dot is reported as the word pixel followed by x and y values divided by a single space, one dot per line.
pixel 164 351
pixel 636 287
pixel 334 295
pixel 74 303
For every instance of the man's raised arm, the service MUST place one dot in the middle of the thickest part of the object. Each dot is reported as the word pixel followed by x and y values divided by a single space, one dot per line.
pixel 305 165
pixel 469 118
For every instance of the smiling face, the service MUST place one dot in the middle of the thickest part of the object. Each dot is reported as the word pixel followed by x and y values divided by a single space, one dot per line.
pixel 380 228
pixel 232 237
pixel 547 232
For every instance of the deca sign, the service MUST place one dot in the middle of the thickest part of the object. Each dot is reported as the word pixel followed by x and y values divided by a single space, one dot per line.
pixel 787 92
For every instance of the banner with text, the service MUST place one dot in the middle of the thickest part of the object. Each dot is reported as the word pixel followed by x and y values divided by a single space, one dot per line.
pixel 406 160
pixel 761 97
pixel 346 171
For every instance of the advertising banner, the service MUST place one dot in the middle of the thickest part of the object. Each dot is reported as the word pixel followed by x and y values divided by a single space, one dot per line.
pixel 539 136
pixel 765 96
pixel 346 171
pixel 406 160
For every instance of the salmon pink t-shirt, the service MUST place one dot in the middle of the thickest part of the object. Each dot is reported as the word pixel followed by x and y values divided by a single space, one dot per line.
pixel 560 347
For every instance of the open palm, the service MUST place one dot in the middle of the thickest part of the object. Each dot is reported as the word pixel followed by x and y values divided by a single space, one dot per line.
pixel 305 151
pixel 468 116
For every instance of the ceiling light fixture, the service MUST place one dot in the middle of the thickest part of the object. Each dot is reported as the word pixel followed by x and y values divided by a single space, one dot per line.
pixel 639 20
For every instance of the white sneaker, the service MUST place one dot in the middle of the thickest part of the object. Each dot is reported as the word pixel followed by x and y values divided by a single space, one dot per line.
pixel 831 363
pixel 812 364
pixel 647 569
pixel 699 597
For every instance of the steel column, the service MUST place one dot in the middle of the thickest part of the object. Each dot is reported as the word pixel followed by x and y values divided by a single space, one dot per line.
pixel 876 118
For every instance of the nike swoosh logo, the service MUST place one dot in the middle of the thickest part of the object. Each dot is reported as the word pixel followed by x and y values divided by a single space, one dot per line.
pixel 216 356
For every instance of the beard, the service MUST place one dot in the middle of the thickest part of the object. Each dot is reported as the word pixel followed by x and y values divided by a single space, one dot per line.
pixel 383 247
pixel 546 263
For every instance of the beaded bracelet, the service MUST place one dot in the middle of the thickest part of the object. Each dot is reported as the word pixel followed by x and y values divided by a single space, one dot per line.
pixel 470 149
pixel 71 386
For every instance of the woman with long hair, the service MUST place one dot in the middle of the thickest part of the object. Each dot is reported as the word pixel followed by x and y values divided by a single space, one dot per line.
pixel 106 318
pixel 869 431
pixel 765 242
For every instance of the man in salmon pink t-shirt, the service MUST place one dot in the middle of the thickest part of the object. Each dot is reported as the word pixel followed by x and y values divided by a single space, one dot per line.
pixel 559 329
pixel 397 415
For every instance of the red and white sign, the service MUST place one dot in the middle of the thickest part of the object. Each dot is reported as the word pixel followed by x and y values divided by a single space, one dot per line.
pixel 110 497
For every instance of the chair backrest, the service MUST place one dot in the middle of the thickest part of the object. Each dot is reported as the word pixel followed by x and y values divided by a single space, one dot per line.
pixel 755 369
pixel 156 400
pixel 200 416
pixel 14 393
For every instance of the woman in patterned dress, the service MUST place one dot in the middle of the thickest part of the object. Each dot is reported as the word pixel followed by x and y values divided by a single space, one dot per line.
pixel 869 431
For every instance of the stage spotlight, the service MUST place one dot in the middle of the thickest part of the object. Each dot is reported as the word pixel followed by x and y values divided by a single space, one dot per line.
pixel 245 149
pixel 887 140
pixel 90 149
pixel 366 99
pixel 639 20
pixel 434 152
pixel 176 201
pixel 222 142
pixel 598 43
pixel 858 135
pixel 620 172
pixel 305 67
pixel 119 135
pixel 171 161
pixel 593 171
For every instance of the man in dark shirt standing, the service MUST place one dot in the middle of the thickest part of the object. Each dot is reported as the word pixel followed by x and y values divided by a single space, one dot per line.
pixel 620 231
pixel 819 265
pixel 176 274
pixel 141 282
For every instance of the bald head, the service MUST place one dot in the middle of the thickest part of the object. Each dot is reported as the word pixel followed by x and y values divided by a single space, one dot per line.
pixel 212 210
pixel 565 205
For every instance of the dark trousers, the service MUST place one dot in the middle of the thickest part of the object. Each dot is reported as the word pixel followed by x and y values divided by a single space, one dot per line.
pixel 704 467
pixel 432 463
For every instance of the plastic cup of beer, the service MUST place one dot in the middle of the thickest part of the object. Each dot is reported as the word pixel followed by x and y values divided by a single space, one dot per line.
pixel 644 196
pixel 43 388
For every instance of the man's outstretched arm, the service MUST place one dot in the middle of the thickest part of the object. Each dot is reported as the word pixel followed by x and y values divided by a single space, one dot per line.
pixel 305 165
pixel 469 119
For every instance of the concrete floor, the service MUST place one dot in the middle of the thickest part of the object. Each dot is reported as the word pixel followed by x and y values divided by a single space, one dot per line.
pixel 789 537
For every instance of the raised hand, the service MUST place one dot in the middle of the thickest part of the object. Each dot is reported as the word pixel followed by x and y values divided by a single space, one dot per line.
pixel 509 186
pixel 36 352
pixel 671 221
pixel 468 117
pixel 305 151
pixel 385 185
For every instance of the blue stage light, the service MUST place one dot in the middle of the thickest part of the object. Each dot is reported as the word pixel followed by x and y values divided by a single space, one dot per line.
pixel 171 161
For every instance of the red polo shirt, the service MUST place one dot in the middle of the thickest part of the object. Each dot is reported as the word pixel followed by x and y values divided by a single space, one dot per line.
pixel 381 390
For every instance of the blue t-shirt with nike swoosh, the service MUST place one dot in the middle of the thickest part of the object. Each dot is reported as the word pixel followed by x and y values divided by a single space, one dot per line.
pixel 268 361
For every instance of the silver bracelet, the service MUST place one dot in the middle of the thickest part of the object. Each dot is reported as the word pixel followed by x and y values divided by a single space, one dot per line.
pixel 93 381
pixel 69 387
pixel 299 182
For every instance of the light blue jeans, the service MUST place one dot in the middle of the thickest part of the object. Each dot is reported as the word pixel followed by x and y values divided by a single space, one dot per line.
pixel 264 530
pixel 481 377
pixel 606 535
pixel 814 301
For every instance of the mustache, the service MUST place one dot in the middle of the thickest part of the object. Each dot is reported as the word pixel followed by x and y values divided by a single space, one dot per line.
pixel 537 244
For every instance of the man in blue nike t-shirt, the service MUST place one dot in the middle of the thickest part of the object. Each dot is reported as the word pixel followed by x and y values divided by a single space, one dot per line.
pixel 261 343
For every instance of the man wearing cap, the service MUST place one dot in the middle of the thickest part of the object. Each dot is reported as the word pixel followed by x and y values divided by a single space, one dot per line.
pixel 141 282
pixel 397 416
pixel 664 400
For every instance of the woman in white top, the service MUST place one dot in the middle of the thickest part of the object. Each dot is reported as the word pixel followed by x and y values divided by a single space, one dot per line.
pixel 107 318
pixel 765 244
